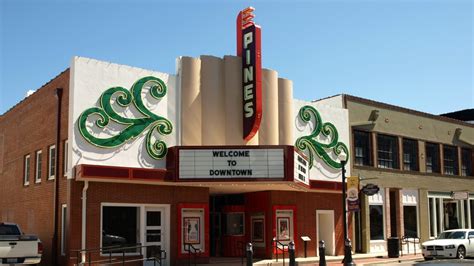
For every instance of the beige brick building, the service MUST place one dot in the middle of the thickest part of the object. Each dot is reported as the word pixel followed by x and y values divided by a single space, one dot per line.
pixel 423 164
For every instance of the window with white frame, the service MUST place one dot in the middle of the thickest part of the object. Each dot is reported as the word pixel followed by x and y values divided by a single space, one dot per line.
pixel 52 162
pixel 63 229
pixel 376 214
pixel 26 171
pixel 410 212
pixel 38 165
pixel 65 158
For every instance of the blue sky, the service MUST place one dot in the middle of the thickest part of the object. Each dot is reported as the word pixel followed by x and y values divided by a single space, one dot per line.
pixel 416 54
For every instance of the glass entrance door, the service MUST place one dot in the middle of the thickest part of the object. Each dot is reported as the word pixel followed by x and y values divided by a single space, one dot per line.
pixel 451 215
pixel 153 234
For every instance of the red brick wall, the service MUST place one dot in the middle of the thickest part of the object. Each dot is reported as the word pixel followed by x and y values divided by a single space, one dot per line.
pixel 306 206
pixel 98 193
pixel 27 127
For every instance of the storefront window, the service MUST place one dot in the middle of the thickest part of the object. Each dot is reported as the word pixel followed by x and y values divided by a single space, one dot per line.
pixel 387 150
pixel 410 218
pixel 472 213
pixel 234 224
pixel 120 226
pixel 376 222
pixel 432 208
pixel 362 145
pixel 410 155
pixel 432 158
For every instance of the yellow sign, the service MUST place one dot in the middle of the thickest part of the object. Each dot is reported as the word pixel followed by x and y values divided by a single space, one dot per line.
pixel 353 193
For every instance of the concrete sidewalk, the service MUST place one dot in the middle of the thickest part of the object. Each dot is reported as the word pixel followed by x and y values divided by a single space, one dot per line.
pixel 359 259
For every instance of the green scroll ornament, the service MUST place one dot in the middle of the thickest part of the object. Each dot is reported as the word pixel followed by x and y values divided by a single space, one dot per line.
pixel 316 148
pixel 157 149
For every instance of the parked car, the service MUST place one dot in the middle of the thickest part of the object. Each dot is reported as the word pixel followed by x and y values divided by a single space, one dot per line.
pixel 457 243
pixel 18 248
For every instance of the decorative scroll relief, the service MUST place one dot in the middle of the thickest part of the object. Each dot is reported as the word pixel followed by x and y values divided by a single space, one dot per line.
pixel 131 127
pixel 311 144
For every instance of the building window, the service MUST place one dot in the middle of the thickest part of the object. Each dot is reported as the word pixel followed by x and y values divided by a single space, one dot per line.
pixel 362 147
pixel 120 226
pixel 432 158
pixel 234 224
pixel 63 229
pixel 52 162
pixel 387 148
pixel 26 171
pixel 65 158
pixel 410 221
pixel 38 166
pixel 450 159
pixel 466 162
pixel 376 222
pixel 410 155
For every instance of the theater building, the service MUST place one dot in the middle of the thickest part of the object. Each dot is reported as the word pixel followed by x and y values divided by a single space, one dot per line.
pixel 422 164
pixel 211 157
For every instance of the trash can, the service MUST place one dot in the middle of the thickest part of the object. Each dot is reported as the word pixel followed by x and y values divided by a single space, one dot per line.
pixel 393 247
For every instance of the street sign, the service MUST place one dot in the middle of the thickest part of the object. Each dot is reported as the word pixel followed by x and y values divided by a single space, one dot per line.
pixel 370 189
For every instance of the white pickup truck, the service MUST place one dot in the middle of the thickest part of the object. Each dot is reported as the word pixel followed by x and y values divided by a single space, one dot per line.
pixel 17 248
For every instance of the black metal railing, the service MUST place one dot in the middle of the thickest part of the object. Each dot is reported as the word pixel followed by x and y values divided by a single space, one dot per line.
pixel 192 251
pixel 120 255
pixel 241 247
pixel 280 246
pixel 407 240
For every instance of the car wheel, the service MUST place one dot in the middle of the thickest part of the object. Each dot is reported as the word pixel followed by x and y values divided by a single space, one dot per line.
pixel 428 258
pixel 461 254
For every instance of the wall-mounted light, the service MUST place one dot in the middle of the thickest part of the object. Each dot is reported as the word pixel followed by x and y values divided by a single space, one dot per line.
pixel 374 115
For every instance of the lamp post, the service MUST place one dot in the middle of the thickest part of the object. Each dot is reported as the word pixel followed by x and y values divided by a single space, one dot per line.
pixel 347 242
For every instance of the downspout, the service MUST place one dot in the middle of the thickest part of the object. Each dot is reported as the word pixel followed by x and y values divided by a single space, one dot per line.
pixel 54 259
pixel 83 224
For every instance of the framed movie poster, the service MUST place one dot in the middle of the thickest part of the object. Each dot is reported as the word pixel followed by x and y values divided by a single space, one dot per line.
pixel 191 228
pixel 283 227
pixel 258 230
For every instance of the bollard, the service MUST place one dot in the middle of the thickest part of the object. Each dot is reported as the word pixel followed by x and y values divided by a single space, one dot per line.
pixel 249 254
pixel 322 253
pixel 348 253
pixel 291 252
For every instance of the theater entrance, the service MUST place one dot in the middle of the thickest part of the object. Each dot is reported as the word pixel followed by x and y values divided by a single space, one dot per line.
pixel 227 222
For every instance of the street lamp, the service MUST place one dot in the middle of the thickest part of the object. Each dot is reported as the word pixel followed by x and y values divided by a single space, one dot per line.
pixel 347 242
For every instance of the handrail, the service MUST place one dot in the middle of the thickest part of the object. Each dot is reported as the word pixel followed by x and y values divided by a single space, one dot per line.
pixel 191 250
pixel 406 241
pixel 117 250
pixel 242 247
pixel 282 248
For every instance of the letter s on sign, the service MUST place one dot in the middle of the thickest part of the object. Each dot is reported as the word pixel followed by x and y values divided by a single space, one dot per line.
pixel 248 107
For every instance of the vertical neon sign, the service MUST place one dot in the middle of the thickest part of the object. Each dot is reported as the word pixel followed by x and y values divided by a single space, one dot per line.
pixel 249 48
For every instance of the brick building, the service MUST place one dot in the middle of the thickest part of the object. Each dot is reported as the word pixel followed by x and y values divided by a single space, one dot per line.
pixel 423 164
pixel 188 195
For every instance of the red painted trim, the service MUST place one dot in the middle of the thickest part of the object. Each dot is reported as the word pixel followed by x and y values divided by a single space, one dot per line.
pixel 119 173
pixel 239 34
pixel 202 206
pixel 327 185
